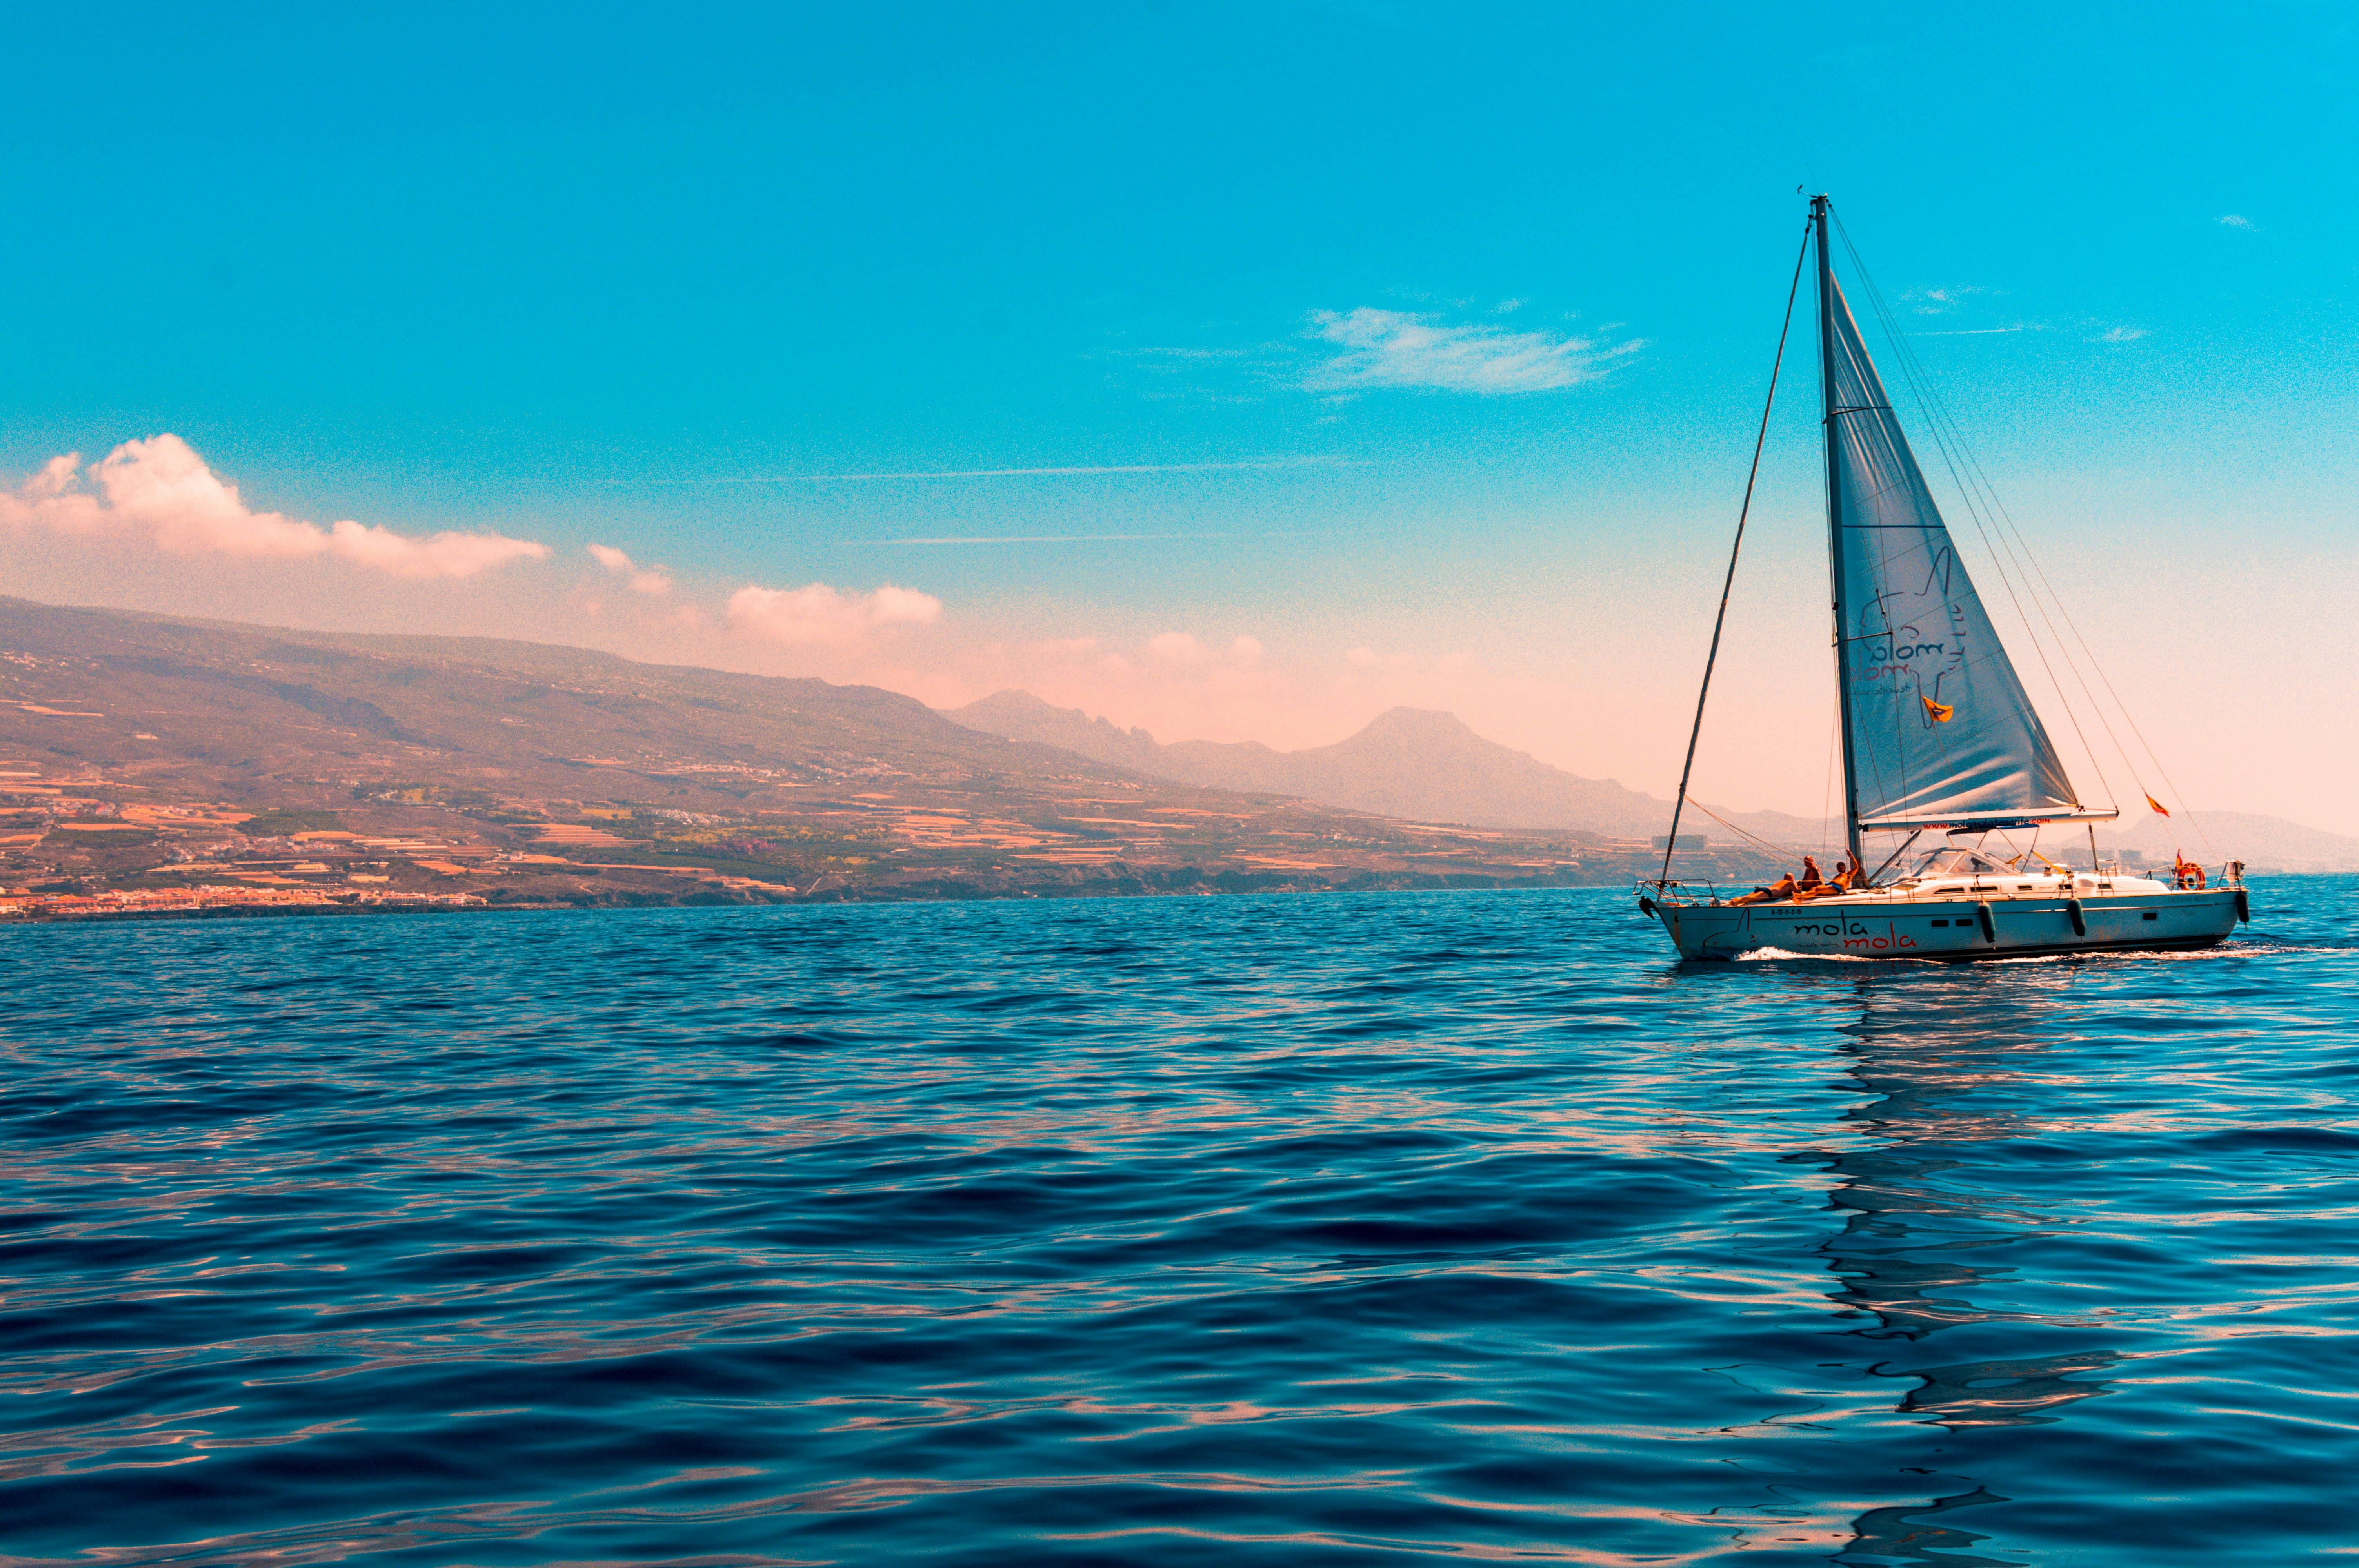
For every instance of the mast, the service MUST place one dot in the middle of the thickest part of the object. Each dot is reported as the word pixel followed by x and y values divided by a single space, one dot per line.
pixel 1834 519
pixel 1728 583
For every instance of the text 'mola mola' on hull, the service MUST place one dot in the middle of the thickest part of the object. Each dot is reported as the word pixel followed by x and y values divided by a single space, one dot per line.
pixel 1939 735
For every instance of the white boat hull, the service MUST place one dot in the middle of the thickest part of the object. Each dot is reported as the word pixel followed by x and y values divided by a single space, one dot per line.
pixel 1880 926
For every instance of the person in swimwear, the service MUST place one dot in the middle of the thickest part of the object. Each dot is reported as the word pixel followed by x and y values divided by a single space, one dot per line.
pixel 1844 881
pixel 1811 879
pixel 1784 888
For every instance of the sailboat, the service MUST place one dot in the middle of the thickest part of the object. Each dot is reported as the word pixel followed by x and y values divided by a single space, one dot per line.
pixel 1938 738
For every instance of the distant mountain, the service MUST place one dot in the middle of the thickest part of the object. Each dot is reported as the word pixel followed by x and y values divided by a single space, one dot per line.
pixel 1019 715
pixel 237 712
pixel 140 752
pixel 1411 762
pixel 2265 843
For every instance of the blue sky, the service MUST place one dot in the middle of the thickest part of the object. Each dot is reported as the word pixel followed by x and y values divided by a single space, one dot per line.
pixel 1442 329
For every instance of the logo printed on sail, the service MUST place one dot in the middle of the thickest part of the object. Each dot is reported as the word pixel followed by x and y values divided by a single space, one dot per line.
pixel 1913 635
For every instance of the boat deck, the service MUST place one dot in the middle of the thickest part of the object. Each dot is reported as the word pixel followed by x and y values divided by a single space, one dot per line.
pixel 1960 917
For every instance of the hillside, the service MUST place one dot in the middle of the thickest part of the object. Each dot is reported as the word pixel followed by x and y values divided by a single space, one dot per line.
pixel 139 751
pixel 2265 843
pixel 1409 762
pixel 244 713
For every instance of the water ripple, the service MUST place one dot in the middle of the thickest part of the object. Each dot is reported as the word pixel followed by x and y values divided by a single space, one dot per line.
pixel 1257 1230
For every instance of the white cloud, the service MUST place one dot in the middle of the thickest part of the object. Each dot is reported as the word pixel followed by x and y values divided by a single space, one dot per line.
pixel 819 615
pixel 2235 221
pixel 438 554
pixel 644 579
pixel 1245 650
pixel 161 492
pixel 1176 648
pixel 1390 347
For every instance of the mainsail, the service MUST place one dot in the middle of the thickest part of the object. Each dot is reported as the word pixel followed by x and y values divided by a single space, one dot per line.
pixel 1941 730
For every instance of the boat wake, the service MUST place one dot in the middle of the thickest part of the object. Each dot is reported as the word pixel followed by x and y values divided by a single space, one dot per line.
pixel 1779 955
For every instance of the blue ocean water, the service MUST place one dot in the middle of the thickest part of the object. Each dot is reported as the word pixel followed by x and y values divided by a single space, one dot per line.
pixel 1248 1231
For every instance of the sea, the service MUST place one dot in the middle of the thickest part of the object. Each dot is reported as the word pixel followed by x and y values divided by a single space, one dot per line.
pixel 1290 1229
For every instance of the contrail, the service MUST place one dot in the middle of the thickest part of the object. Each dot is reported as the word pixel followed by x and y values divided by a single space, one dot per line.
pixel 1965 332
pixel 1006 473
pixel 1082 538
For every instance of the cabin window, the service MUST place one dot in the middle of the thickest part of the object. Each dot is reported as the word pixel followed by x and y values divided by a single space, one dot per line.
pixel 2023 887
pixel 2149 915
pixel 1941 923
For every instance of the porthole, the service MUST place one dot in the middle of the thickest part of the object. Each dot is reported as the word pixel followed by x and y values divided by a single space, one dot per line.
pixel 1941 923
pixel 2149 915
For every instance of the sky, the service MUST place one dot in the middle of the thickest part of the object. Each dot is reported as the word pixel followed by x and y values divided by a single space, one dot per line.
pixel 1237 371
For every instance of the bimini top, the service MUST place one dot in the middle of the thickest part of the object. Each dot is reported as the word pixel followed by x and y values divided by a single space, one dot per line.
pixel 1985 821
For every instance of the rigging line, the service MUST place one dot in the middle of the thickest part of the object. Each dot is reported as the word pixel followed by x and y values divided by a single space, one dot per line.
pixel 2094 663
pixel 2019 553
pixel 1752 838
pixel 1936 417
pixel 1999 505
pixel 1992 508
pixel 1896 855
pixel 1671 845
pixel 1903 751
pixel 2050 603
pixel 1827 796
pixel 2090 654
pixel 1946 437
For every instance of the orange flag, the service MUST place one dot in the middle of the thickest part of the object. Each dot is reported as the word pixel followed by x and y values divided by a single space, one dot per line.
pixel 1939 710
pixel 2158 805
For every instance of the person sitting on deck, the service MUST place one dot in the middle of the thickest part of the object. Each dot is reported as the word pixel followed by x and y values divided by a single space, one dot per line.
pixel 1844 880
pixel 1785 887
pixel 1811 879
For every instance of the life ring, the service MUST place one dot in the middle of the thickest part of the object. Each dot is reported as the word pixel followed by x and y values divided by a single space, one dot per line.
pixel 2188 875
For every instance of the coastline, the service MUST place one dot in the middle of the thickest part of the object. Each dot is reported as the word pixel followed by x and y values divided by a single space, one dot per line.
pixel 234 902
